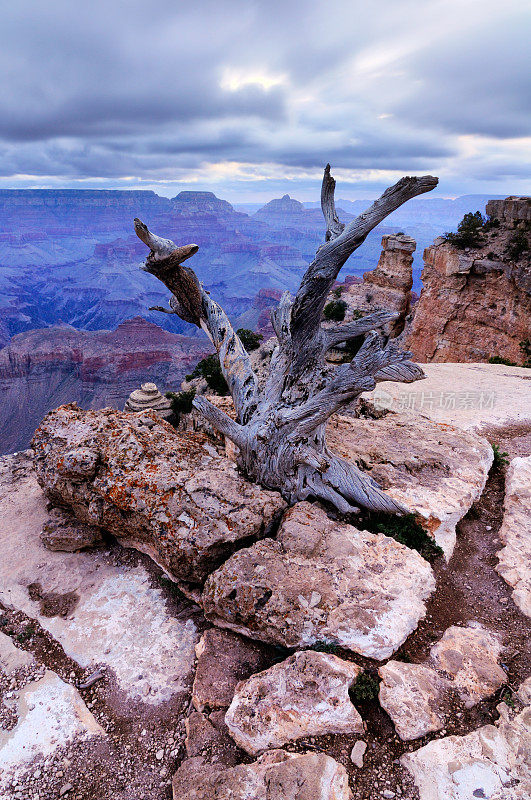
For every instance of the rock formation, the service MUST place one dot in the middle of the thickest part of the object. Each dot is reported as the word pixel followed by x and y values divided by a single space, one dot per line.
pixel 321 581
pixel 388 287
pixel 277 775
pixel 223 660
pixel 464 663
pixel 512 211
pixel 436 477
pixel 492 761
pixel 148 398
pixel 169 495
pixel 476 303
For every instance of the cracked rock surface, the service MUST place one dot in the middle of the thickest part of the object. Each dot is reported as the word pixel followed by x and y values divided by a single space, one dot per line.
pixel 171 496
pixel 277 775
pixel 322 580
pixel 305 695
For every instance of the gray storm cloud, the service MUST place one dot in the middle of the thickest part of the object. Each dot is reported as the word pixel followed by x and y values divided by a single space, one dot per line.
pixel 223 92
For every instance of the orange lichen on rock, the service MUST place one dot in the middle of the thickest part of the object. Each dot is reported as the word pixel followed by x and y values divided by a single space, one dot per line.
pixel 166 493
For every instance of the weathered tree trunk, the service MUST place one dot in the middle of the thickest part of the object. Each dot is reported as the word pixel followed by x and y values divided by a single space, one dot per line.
pixel 280 431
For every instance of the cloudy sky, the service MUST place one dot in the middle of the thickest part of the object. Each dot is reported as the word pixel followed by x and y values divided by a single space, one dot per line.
pixel 250 99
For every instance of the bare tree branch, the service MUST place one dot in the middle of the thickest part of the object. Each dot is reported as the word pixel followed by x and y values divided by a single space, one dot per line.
pixel 342 333
pixel 333 226
pixel 190 302
pixel 324 269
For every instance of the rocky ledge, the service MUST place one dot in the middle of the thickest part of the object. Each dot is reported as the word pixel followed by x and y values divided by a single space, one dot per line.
pixel 342 664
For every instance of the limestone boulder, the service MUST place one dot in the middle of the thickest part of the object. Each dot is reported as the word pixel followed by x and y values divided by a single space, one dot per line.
pixel 463 663
pixel 514 560
pixel 469 657
pixel 224 659
pixel 491 762
pixel 322 581
pixel 305 695
pixel 414 696
pixel 437 471
pixel 167 494
pixel 277 775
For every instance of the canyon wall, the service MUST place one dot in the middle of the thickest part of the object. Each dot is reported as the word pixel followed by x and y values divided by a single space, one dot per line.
pixel 476 302
pixel 388 286
pixel 42 369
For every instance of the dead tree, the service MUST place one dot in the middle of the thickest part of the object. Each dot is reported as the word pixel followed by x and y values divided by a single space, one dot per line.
pixel 280 431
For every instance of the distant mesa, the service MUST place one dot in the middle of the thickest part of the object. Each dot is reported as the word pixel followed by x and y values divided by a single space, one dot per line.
pixel 286 205
pixel 201 203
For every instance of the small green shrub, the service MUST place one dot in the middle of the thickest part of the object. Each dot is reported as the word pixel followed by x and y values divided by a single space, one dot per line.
pixel 337 292
pixel 181 402
pixel 469 231
pixel 406 530
pixel 335 310
pixel 325 647
pixel 516 245
pixel 500 459
pixel 500 360
pixel 209 368
pixel 507 698
pixel 365 689
pixel 249 339
pixel 26 634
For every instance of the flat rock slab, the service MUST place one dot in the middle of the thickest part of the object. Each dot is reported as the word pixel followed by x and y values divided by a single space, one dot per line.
pixel 436 470
pixel 51 714
pixel 514 561
pixel 208 736
pixel 469 658
pixel 414 696
pixel 491 762
pixel 102 613
pixel 168 494
pixel 463 662
pixel 467 396
pixel 305 695
pixel 322 581
pixel 223 660
pixel 276 776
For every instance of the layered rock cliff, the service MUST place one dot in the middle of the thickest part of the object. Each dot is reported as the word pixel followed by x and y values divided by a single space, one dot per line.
pixel 476 302
pixel 42 369
pixel 389 285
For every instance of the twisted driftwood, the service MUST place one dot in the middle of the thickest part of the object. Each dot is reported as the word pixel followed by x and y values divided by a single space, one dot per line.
pixel 280 431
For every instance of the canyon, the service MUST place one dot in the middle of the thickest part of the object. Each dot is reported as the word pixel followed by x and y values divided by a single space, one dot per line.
pixel 45 368
pixel 69 256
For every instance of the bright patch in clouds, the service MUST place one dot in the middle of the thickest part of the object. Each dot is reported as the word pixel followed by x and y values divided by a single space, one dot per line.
pixel 233 79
